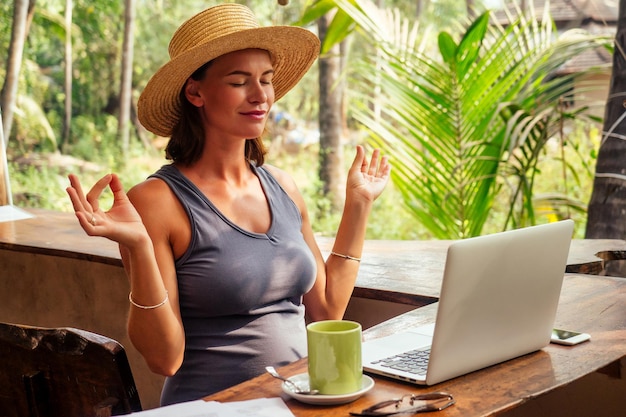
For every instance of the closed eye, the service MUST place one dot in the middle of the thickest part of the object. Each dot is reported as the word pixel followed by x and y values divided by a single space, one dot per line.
pixel 238 82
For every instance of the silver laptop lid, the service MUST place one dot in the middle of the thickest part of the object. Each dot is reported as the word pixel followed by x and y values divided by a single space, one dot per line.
pixel 499 298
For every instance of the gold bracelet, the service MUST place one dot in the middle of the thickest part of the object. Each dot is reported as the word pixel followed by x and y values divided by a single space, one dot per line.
pixel 130 298
pixel 352 258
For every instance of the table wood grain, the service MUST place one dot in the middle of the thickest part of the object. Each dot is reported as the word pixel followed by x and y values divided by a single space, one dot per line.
pixel 594 305
pixel 400 271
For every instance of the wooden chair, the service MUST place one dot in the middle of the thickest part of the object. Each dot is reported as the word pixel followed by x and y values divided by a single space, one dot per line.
pixel 63 372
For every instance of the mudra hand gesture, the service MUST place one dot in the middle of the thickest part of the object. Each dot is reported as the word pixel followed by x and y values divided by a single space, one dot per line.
pixel 121 223
pixel 368 180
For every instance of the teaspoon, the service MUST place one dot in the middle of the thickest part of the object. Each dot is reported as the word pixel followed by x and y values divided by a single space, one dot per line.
pixel 296 388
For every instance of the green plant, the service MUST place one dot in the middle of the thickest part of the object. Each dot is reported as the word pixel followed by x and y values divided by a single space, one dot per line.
pixel 463 125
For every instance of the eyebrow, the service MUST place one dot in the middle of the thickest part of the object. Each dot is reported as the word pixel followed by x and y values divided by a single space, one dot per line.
pixel 249 74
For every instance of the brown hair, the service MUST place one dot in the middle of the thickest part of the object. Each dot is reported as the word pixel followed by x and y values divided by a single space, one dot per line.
pixel 187 140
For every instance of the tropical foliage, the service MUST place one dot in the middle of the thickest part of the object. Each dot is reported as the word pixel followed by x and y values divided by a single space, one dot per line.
pixel 97 34
pixel 467 124
pixel 465 115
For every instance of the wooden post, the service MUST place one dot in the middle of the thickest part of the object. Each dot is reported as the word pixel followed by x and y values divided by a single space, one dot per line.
pixel 5 186
pixel 8 212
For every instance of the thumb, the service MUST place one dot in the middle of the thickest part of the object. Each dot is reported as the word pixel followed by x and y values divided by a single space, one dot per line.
pixel 359 162
pixel 116 187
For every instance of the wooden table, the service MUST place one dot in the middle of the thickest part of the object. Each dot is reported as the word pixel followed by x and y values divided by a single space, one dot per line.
pixel 69 278
pixel 596 305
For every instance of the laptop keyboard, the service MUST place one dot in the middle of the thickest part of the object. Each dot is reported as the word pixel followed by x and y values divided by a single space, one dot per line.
pixel 413 361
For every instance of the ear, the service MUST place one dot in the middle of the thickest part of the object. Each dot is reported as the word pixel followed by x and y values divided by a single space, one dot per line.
pixel 192 92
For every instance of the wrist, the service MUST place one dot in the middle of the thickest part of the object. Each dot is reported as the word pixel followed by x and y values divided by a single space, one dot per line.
pixel 137 241
pixel 356 208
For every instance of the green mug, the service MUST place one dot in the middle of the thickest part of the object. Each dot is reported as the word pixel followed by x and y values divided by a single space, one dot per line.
pixel 334 356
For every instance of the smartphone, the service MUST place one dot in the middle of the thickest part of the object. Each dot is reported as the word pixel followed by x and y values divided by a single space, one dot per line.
pixel 568 337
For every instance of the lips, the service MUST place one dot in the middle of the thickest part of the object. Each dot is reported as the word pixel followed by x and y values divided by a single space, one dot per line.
pixel 258 113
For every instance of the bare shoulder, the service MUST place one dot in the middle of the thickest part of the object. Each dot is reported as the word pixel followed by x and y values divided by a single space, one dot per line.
pixel 162 214
pixel 284 179
pixel 289 185
pixel 155 202
pixel 147 192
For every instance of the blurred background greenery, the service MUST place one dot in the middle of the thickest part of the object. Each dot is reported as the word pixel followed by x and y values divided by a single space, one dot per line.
pixel 40 157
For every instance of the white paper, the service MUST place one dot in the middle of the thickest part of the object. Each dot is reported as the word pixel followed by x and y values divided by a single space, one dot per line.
pixel 11 213
pixel 197 408
pixel 262 407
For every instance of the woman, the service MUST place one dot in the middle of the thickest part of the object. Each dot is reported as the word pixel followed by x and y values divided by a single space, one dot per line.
pixel 218 246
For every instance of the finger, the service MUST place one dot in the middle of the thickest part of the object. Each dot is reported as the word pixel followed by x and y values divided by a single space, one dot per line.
pixel 81 207
pixel 373 168
pixel 75 199
pixel 117 188
pixel 85 218
pixel 96 191
pixel 87 221
pixel 359 161
pixel 385 167
pixel 75 190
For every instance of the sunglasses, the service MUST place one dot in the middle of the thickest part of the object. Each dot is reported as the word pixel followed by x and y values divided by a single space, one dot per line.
pixel 409 404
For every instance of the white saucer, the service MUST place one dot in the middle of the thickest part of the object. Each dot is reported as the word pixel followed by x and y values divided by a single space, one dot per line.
pixel 302 380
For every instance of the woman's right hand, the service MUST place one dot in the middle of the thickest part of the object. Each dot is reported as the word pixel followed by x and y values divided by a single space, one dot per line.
pixel 121 223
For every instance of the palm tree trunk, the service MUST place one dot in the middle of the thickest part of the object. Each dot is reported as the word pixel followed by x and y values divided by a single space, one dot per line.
pixel 67 122
pixel 606 215
pixel 127 74
pixel 5 185
pixel 8 96
pixel 14 62
pixel 330 121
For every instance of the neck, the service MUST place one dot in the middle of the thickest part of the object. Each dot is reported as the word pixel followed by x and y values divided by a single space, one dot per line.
pixel 216 165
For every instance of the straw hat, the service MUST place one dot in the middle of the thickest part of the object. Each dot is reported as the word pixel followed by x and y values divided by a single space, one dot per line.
pixel 214 32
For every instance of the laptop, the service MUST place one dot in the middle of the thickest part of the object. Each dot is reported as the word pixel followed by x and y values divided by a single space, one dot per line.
pixel 498 301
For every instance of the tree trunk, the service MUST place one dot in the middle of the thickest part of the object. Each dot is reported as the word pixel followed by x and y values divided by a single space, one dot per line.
pixel 67 122
pixel 140 131
pixel 5 186
pixel 8 96
pixel 126 85
pixel 330 121
pixel 606 215
pixel 14 62
pixel 470 7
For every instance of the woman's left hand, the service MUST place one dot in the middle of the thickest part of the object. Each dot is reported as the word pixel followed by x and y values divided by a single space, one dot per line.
pixel 368 180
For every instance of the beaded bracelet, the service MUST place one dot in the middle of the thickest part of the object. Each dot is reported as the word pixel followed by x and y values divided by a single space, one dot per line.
pixel 352 258
pixel 130 298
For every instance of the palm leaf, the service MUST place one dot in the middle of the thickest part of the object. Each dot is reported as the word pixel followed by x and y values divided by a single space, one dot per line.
pixel 465 124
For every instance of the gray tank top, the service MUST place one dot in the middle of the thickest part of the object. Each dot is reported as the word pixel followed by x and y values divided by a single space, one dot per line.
pixel 240 292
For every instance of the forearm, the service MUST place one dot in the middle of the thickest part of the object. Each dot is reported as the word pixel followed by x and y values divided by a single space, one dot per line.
pixel 337 275
pixel 156 331
pixel 158 337
pixel 342 265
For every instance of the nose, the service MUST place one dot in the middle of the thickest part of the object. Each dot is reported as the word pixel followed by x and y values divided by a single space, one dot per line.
pixel 259 92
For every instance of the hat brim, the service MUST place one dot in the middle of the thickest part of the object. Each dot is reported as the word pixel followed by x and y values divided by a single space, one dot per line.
pixel 293 50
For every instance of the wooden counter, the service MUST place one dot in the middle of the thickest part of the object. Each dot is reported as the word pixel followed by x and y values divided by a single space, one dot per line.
pixel 52 274
pixel 400 271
